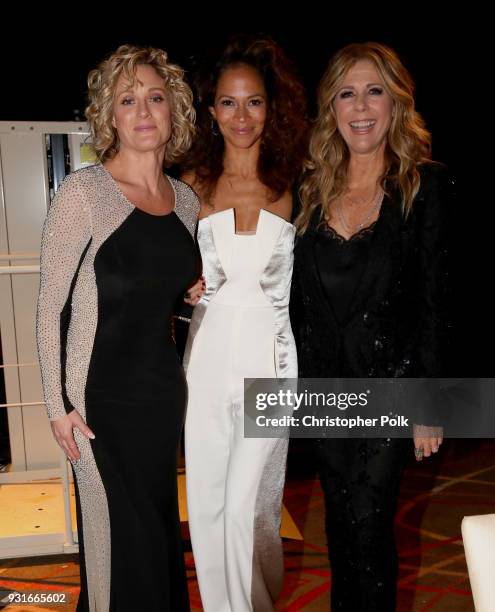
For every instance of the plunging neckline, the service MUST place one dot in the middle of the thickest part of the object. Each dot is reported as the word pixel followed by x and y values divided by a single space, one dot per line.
pixel 263 212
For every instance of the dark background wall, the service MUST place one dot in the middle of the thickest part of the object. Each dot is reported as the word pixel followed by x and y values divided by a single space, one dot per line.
pixel 43 77
pixel 44 74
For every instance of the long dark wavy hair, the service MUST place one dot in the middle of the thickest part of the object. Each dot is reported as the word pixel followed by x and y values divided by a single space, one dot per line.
pixel 284 139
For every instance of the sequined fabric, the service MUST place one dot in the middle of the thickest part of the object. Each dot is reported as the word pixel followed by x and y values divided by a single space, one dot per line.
pixel 87 209
pixel 398 321
pixel 396 325
pixel 268 559
pixel 361 482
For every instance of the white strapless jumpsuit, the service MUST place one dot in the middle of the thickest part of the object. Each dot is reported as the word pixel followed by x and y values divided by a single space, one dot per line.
pixel 235 484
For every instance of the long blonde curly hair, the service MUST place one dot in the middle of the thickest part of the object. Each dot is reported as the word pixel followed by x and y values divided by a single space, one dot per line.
pixel 408 142
pixel 102 84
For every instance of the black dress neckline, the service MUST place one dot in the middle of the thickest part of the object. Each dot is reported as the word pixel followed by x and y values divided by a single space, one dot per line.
pixel 333 233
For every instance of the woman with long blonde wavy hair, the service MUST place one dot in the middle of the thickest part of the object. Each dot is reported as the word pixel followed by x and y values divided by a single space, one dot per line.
pixel 117 254
pixel 369 295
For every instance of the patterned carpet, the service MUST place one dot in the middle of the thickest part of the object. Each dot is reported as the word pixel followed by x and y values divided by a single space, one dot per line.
pixel 433 574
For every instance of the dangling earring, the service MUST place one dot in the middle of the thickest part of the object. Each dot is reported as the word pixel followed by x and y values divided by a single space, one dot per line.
pixel 214 125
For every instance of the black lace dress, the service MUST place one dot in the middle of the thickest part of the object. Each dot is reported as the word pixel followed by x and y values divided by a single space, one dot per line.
pixel 373 306
pixel 360 477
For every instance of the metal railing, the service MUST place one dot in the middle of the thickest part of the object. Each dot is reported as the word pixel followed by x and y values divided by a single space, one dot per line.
pixel 31 269
pixel 62 471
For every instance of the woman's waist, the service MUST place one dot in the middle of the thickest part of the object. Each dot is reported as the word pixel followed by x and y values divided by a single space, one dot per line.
pixel 132 348
pixel 241 296
pixel 219 318
pixel 133 377
pixel 230 306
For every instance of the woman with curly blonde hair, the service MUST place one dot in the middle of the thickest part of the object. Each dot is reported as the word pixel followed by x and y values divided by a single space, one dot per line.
pixel 117 254
pixel 369 295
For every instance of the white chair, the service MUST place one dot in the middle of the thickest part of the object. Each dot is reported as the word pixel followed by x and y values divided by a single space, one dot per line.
pixel 478 534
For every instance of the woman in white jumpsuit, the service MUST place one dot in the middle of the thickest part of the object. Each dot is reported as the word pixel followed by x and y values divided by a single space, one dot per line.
pixel 240 328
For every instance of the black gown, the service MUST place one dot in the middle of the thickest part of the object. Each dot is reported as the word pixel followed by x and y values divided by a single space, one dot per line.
pixel 360 478
pixel 135 402
pixel 111 277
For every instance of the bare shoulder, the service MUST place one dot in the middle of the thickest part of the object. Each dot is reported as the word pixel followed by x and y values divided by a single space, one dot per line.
pixel 191 180
pixel 189 177
pixel 283 206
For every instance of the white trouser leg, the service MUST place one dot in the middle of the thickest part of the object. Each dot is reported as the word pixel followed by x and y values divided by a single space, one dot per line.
pixel 207 456
pixel 208 432
pixel 253 548
pixel 234 484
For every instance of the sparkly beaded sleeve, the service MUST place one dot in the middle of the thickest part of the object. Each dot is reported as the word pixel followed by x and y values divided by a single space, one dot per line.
pixel 432 341
pixel 187 205
pixel 187 209
pixel 66 233
pixel 434 210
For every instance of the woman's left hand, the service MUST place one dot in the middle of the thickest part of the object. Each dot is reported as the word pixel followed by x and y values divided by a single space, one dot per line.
pixel 196 292
pixel 427 440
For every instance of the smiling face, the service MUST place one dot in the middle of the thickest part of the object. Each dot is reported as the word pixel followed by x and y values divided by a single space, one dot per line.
pixel 141 111
pixel 240 106
pixel 363 109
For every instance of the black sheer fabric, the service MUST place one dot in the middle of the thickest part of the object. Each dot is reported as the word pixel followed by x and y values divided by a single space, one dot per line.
pixel 388 319
pixel 341 264
pixel 361 481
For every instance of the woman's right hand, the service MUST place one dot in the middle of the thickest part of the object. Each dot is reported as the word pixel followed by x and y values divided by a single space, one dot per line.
pixel 196 292
pixel 427 440
pixel 63 432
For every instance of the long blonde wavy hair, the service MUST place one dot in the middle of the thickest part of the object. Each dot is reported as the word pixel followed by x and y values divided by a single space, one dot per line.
pixel 102 84
pixel 408 142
